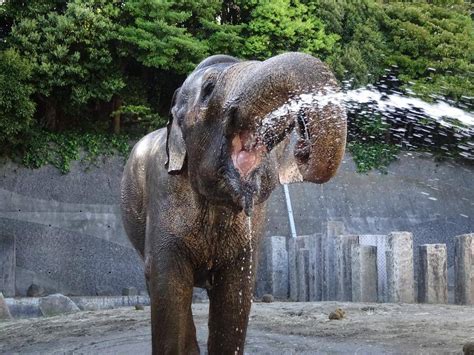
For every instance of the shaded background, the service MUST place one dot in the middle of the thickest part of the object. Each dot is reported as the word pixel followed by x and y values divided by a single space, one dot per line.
pixel 70 239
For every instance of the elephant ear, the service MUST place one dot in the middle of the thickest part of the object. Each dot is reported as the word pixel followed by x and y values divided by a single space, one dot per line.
pixel 175 146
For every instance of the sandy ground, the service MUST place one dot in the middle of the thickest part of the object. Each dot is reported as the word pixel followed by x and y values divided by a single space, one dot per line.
pixel 276 328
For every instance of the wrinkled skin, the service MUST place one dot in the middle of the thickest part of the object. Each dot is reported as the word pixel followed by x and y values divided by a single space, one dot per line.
pixel 187 190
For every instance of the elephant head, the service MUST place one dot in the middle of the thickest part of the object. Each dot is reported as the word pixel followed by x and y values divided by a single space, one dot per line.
pixel 239 128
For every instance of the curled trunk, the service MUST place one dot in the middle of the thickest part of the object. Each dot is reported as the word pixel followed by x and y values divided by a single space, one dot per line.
pixel 290 101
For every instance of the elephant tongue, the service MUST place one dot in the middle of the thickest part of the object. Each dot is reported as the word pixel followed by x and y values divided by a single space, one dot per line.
pixel 245 158
pixel 246 161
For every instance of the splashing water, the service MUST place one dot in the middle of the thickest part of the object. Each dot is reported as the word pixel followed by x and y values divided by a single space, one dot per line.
pixel 382 102
pixel 410 121
pixel 438 111
pixel 249 224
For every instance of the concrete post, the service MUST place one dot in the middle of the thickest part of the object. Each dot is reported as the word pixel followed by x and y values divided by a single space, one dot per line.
pixel 331 229
pixel 292 271
pixel 399 262
pixel 303 274
pixel 312 242
pixel 315 293
pixel 433 274
pixel 364 273
pixel 379 241
pixel 343 247
pixel 7 265
pixel 464 269
pixel 277 266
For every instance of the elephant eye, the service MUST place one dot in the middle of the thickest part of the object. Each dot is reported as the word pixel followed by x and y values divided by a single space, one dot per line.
pixel 207 90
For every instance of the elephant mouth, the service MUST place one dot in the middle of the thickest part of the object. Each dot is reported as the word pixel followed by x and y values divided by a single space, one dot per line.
pixel 246 153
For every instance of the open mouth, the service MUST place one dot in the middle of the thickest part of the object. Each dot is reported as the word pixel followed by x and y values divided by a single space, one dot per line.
pixel 246 152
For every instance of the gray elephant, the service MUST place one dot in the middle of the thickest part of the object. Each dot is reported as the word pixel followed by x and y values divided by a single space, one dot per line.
pixel 193 194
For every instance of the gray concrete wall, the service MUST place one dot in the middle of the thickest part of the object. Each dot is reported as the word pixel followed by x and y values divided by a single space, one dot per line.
pixel 433 200
pixel 68 229
pixel 70 238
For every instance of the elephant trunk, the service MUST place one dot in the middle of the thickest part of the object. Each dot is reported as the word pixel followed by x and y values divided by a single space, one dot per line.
pixel 285 101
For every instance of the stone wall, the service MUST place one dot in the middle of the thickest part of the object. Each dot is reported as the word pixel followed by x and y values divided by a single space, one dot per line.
pixel 69 236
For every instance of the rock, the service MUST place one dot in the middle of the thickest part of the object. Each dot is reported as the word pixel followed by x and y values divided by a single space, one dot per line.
pixel 57 304
pixel 468 348
pixel 139 307
pixel 129 291
pixel 4 311
pixel 35 291
pixel 267 298
pixel 337 314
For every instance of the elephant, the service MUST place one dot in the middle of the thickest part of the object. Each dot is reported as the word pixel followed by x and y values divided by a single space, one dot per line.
pixel 193 194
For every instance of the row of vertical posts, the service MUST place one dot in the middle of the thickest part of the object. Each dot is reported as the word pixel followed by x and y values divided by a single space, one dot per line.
pixel 367 268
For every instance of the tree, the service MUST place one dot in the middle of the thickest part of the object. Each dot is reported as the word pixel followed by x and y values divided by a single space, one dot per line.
pixel 433 46
pixel 164 40
pixel 360 53
pixel 16 106
pixel 96 64
pixel 284 25
pixel 157 35
pixel 72 58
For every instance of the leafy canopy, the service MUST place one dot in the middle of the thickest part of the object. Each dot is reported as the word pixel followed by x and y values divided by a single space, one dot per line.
pixel 112 65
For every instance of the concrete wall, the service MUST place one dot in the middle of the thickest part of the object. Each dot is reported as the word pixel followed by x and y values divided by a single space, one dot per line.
pixel 68 229
pixel 433 200
pixel 69 235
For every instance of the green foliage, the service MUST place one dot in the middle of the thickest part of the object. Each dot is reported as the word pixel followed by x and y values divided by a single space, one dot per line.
pixel 284 25
pixel 369 144
pixel 433 47
pixel 368 156
pixel 61 149
pixel 224 38
pixel 94 65
pixel 142 115
pixel 158 36
pixel 16 106
pixel 376 129
pixel 70 52
pixel 360 53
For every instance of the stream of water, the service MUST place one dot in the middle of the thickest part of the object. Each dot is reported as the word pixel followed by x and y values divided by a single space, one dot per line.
pixel 410 122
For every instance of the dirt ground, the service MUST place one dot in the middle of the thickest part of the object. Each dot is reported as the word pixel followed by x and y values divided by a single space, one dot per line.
pixel 275 328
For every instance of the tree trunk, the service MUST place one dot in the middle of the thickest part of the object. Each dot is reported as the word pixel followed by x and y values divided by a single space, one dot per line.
pixel 48 112
pixel 117 116
pixel 50 115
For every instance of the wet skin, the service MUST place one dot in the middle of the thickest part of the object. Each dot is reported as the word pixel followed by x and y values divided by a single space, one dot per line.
pixel 193 194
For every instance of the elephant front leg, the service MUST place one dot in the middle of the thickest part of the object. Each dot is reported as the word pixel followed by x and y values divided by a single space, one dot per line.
pixel 230 302
pixel 171 288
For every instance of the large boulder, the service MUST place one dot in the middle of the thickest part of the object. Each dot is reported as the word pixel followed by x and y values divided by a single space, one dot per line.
pixel 57 304
pixel 4 311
